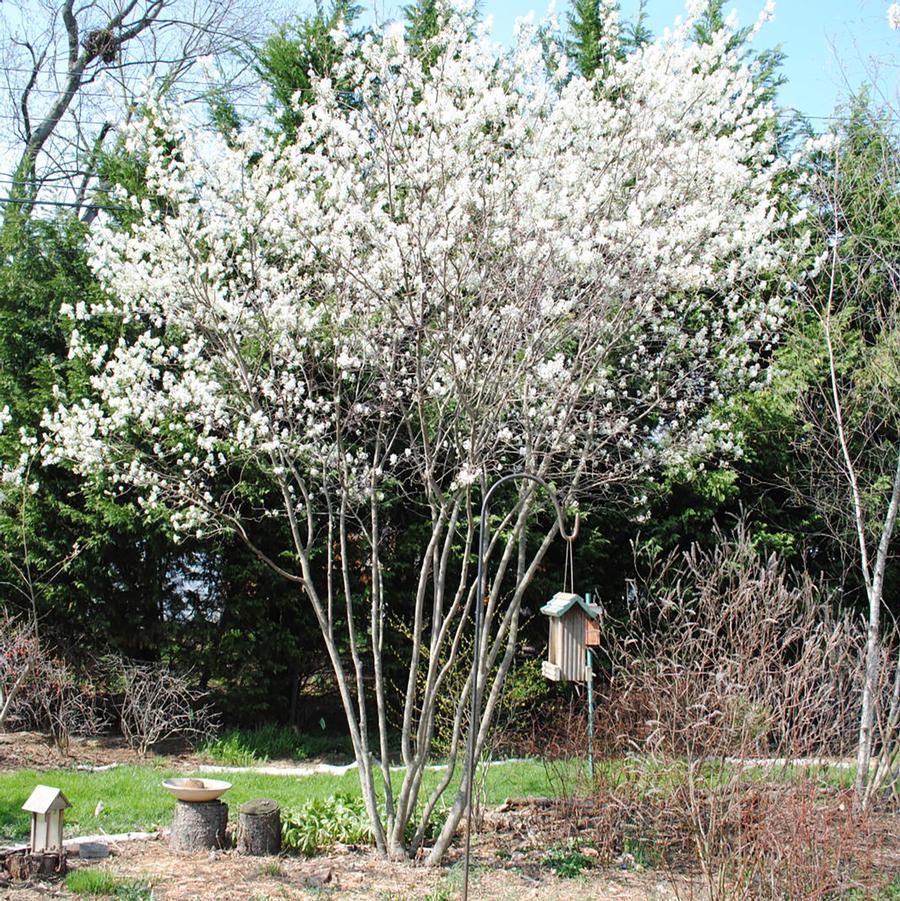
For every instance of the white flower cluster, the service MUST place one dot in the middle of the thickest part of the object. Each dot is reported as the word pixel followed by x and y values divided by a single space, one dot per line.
pixel 464 266
pixel 893 16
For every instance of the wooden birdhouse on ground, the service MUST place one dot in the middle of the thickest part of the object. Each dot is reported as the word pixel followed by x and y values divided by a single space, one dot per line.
pixel 573 628
pixel 46 806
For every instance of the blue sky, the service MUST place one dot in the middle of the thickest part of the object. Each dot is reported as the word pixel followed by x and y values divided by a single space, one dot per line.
pixel 832 46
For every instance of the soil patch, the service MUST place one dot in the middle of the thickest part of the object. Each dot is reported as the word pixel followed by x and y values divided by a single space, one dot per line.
pixel 346 872
pixel 34 751
pixel 510 863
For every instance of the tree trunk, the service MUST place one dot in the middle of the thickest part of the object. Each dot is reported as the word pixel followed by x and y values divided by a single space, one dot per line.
pixel 23 867
pixel 294 693
pixel 198 826
pixel 259 828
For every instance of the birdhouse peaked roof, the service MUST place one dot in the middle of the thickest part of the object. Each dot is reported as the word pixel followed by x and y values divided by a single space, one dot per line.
pixel 563 601
pixel 45 799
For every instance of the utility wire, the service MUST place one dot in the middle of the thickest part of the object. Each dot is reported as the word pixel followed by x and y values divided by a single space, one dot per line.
pixel 782 111
pixel 123 209
pixel 62 203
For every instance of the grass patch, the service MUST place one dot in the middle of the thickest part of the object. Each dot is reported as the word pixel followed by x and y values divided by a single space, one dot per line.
pixel 271 868
pixel 888 892
pixel 93 883
pixel 645 855
pixel 442 892
pixel 246 747
pixel 134 799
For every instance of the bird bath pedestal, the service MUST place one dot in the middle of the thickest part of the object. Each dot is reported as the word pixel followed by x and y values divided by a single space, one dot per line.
pixel 200 817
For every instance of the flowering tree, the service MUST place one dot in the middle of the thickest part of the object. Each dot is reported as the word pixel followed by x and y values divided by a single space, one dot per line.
pixel 465 267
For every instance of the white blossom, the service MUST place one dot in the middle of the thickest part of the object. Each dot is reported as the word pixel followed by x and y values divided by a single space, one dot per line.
pixel 475 249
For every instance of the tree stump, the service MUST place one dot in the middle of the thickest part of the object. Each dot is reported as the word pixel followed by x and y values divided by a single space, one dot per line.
pixel 198 826
pixel 24 866
pixel 259 828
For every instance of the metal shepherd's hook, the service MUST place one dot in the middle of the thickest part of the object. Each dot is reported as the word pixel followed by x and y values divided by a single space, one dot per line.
pixel 483 536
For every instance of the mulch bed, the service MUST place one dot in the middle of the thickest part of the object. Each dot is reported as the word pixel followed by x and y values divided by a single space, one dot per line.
pixel 345 872
pixel 34 751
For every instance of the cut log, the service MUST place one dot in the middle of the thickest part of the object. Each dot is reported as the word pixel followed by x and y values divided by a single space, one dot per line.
pixel 198 826
pixel 24 866
pixel 259 828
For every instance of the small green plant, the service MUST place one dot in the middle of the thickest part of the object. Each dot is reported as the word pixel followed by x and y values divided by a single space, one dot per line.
pixel 102 882
pixel 888 892
pixel 566 861
pixel 133 891
pixel 319 824
pixel 271 868
pixel 645 854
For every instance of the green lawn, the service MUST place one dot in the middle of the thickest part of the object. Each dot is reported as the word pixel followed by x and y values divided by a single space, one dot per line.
pixel 133 798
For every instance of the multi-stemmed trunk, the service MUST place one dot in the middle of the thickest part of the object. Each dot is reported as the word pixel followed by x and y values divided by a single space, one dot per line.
pixel 441 618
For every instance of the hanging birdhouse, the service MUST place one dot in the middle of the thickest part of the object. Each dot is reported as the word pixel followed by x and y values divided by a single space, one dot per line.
pixel 46 806
pixel 573 628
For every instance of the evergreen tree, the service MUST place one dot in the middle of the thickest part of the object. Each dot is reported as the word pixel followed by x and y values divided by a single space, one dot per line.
pixel 766 64
pixel 423 21
pixel 301 51
pixel 101 578
pixel 636 33
pixel 594 32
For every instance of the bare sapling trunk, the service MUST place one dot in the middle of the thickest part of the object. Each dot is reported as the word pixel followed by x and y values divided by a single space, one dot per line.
pixel 873 533
pixel 869 729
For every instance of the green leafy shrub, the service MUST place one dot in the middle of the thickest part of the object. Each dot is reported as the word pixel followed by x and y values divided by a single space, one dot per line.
pixel 319 824
pixel 566 861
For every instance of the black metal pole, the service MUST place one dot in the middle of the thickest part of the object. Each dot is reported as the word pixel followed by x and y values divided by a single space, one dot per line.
pixel 483 534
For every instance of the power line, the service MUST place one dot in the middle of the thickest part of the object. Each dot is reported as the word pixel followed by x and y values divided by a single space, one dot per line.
pixel 63 203
pixel 122 209
pixel 252 105
pixel 24 70
pixel 95 95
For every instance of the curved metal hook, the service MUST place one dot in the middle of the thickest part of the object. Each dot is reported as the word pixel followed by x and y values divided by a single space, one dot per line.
pixel 479 603
pixel 551 492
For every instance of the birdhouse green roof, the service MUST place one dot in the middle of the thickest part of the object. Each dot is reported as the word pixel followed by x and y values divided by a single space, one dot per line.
pixel 45 798
pixel 563 601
